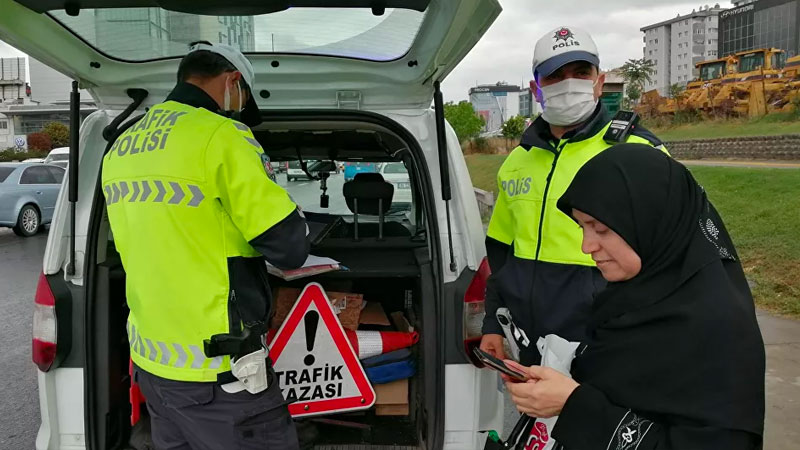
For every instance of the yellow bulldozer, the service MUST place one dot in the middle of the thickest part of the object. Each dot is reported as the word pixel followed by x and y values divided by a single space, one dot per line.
pixel 752 83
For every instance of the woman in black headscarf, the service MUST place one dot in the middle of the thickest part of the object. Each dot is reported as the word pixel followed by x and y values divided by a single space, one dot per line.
pixel 676 359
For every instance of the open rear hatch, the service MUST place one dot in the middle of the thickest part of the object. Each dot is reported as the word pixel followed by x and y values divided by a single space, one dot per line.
pixel 352 54
pixel 386 284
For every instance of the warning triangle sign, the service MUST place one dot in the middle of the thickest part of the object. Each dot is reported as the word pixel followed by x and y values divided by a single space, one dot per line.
pixel 314 361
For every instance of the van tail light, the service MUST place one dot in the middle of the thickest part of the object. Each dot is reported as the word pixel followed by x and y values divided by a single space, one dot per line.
pixel 44 325
pixel 475 309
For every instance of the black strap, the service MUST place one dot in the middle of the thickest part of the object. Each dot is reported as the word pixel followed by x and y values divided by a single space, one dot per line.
pixel 235 345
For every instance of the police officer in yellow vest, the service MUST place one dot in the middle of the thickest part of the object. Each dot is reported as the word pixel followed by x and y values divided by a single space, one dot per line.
pixel 538 270
pixel 194 215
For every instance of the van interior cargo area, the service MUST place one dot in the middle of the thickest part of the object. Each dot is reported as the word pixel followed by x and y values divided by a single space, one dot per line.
pixel 387 258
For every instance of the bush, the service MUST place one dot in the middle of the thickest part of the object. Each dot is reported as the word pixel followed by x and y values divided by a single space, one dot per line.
pixel 39 141
pixel 488 146
pixel 658 122
pixel 58 132
pixel 12 154
pixel 481 145
pixel 686 116
pixel 514 127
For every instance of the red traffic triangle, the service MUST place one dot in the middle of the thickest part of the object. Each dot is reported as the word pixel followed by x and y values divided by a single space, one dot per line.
pixel 315 362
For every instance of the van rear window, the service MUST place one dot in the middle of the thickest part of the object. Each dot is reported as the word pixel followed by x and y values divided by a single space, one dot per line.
pixel 5 172
pixel 142 33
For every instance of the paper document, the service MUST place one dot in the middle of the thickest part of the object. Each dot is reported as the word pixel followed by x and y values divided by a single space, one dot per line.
pixel 312 261
pixel 314 265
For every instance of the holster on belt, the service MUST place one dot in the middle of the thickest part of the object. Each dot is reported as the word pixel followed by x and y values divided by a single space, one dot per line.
pixel 248 358
pixel 236 346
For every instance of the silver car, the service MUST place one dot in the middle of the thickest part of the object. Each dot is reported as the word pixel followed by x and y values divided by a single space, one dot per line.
pixel 28 193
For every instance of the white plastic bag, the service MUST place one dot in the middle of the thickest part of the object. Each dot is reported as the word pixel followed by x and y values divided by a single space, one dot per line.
pixel 557 353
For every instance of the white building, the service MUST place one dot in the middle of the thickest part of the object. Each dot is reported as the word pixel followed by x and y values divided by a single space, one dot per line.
pixel 13 91
pixel 50 87
pixel 13 88
pixel 27 109
pixel 676 45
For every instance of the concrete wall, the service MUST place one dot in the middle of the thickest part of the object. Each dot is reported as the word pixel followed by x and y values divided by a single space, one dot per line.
pixel 786 147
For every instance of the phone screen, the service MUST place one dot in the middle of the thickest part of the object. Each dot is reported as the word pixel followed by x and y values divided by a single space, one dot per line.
pixel 494 363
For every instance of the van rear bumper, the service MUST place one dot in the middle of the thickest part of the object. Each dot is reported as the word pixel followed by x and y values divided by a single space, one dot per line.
pixel 61 404
pixel 480 410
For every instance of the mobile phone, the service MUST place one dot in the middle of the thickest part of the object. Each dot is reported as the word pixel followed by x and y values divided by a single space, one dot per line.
pixel 494 363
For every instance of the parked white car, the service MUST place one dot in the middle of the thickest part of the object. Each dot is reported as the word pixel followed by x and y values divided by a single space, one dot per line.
pixel 58 156
pixel 397 174
pixel 362 92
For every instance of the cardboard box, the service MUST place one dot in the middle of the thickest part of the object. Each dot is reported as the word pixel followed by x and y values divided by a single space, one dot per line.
pixel 346 305
pixel 373 314
pixel 401 323
pixel 392 398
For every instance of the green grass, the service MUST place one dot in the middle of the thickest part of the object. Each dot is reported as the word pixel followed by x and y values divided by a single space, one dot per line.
pixel 761 208
pixel 767 126
pixel 483 170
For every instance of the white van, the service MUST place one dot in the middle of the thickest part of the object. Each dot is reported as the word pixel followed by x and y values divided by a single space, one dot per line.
pixel 338 84
pixel 294 171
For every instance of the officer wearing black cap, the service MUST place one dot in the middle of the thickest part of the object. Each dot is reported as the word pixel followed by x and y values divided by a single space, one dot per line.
pixel 534 250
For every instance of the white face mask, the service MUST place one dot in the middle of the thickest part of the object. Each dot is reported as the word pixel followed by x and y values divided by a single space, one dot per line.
pixel 227 96
pixel 568 102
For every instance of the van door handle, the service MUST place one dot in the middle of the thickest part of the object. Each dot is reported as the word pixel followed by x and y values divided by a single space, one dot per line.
pixel 38 192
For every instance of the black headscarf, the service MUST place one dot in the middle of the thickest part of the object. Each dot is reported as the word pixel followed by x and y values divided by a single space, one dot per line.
pixel 679 342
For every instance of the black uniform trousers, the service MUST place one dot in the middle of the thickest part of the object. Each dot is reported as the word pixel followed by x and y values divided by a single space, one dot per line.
pixel 202 416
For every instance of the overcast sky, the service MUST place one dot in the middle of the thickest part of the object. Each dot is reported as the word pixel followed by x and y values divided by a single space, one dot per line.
pixel 505 51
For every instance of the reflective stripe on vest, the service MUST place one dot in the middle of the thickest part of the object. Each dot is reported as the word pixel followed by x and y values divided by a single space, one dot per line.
pixel 171 354
pixel 170 192
pixel 522 181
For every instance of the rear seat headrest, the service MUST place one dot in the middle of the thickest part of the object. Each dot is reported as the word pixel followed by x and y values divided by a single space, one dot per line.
pixel 368 188
pixel 368 176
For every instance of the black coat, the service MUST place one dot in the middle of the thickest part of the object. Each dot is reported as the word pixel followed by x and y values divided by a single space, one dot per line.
pixel 675 358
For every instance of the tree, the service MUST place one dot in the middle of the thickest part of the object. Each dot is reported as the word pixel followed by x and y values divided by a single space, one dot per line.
pixel 637 73
pixel 514 127
pixel 58 132
pixel 634 93
pixel 676 91
pixel 466 123
pixel 39 141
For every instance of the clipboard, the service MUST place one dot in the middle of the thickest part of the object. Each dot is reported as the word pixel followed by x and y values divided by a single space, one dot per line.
pixel 320 226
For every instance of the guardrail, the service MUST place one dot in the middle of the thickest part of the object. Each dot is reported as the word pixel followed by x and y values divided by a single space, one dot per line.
pixel 485 201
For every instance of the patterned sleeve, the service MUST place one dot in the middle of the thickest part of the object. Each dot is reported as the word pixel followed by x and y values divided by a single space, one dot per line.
pixel 589 421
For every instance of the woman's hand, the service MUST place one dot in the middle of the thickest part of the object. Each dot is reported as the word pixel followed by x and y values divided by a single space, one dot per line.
pixel 544 395
pixel 493 345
